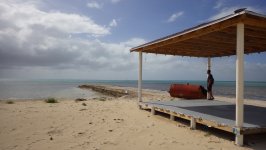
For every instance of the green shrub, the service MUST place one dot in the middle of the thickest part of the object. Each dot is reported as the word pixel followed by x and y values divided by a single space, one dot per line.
pixel 102 99
pixel 51 100
pixel 80 99
pixel 10 102
pixel 207 134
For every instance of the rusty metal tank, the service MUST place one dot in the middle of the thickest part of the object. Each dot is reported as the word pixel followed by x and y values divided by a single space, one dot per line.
pixel 188 91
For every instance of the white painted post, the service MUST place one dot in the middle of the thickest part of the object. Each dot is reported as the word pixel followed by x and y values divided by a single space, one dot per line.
pixel 172 117
pixel 209 64
pixel 239 82
pixel 140 78
pixel 153 111
pixel 209 68
pixel 192 123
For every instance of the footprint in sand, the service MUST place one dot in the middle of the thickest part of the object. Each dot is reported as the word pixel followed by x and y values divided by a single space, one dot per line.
pixel 55 132
pixel 150 143
pixel 109 143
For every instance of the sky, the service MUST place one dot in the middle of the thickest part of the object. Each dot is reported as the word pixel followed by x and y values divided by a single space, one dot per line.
pixel 91 39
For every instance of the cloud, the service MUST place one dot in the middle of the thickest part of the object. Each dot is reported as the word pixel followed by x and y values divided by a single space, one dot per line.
pixel 230 10
pixel 134 42
pixel 174 16
pixel 30 37
pixel 24 18
pixel 115 1
pixel 39 44
pixel 54 43
pixel 113 23
pixel 94 5
pixel 219 4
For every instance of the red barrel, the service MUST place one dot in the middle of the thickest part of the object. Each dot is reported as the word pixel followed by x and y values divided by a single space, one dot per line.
pixel 188 91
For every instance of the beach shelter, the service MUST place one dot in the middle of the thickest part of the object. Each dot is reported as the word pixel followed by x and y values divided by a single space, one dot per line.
pixel 240 33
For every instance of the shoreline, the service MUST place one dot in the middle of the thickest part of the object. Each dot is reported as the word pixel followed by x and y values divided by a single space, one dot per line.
pixel 69 88
pixel 148 94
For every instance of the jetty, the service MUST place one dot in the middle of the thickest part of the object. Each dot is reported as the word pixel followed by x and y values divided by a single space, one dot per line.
pixel 108 90
pixel 119 91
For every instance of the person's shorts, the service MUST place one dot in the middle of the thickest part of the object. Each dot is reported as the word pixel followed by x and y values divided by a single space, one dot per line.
pixel 209 88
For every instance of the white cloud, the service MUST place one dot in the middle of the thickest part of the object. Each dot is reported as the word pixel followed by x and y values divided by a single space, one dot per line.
pixel 26 17
pixel 94 5
pixel 40 44
pixel 134 42
pixel 219 4
pixel 115 1
pixel 113 23
pixel 174 16
pixel 36 40
pixel 230 10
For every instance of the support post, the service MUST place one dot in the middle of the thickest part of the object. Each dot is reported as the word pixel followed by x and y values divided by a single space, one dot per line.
pixel 239 82
pixel 209 64
pixel 153 111
pixel 192 123
pixel 209 68
pixel 172 117
pixel 140 78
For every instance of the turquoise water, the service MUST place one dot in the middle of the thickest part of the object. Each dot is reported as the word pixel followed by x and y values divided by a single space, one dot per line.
pixel 36 89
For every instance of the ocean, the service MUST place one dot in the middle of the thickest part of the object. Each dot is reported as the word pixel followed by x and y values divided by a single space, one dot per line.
pixel 68 89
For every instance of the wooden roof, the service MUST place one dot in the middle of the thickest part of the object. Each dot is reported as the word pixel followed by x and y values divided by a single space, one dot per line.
pixel 213 39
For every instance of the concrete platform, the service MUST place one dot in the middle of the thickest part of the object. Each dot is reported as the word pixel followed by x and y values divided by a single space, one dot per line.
pixel 216 114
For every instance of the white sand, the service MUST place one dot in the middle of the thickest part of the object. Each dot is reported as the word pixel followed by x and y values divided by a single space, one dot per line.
pixel 113 124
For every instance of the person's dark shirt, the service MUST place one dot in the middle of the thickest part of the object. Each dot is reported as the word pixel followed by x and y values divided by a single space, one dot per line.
pixel 210 79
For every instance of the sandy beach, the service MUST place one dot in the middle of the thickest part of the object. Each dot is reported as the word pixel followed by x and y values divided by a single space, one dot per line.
pixel 110 123
pixel 99 75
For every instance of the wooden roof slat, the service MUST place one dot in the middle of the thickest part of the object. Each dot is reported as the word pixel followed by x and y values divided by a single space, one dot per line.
pixel 206 53
pixel 217 38
pixel 248 32
pixel 255 21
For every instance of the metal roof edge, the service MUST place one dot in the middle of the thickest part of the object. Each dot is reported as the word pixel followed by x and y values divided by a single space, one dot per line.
pixel 255 14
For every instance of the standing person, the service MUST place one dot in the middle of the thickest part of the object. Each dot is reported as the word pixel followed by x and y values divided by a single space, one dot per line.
pixel 210 82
